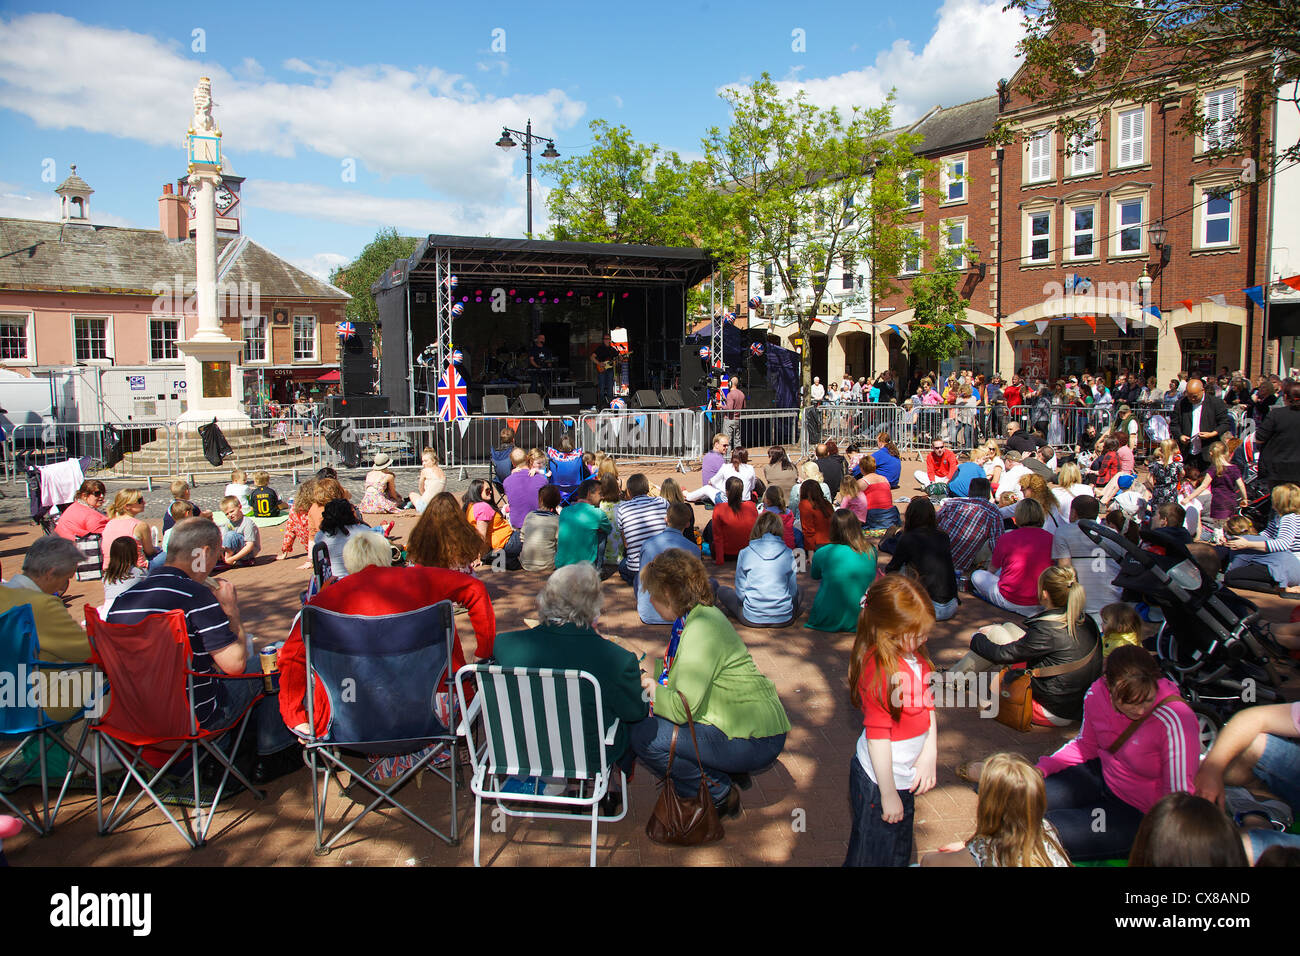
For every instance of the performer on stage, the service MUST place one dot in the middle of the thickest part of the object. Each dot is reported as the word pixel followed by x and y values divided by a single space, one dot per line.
pixel 540 361
pixel 605 358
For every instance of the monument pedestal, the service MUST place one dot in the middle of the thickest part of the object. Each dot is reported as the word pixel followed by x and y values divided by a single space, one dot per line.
pixel 211 368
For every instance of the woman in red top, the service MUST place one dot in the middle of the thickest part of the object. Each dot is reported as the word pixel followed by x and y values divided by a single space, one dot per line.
pixel 83 516
pixel 815 514
pixel 1107 464
pixel 881 512
pixel 732 522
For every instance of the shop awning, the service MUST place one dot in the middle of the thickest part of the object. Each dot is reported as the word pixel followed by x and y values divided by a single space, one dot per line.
pixel 330 378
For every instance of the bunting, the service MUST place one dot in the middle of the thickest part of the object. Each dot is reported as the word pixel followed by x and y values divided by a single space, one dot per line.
pixel 1041 325
pixel 1121 320
pixel 1256 294
pixel 1091 320
pixel 1293 282
pixel 463 424
pixel 1219 299
pixel 1187 304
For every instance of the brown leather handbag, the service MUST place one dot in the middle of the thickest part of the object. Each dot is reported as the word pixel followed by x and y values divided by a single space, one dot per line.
pixel 1016 694
pixel 684 821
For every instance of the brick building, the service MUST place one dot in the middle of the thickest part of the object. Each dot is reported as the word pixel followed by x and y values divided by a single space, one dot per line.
pixel 76 296
pixel 1077 228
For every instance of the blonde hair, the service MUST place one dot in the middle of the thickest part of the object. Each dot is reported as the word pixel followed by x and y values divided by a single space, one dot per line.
pixel 123 500
pixel 671 492
pixel 1167 449
pixel 991 446
pixel 1069 476
pixel 1066 593
pixel 179 487
pixel 229 500
pixel 1012 805
pixel 849 487
pixel 607 468
pixel 261 479
pixel 1286 498
pixel 367 548
pixel 429 456
pixel 811 472
pixel 1218 455
pixel 239 477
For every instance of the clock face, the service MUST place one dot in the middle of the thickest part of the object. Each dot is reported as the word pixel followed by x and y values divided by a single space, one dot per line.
pixel 225 199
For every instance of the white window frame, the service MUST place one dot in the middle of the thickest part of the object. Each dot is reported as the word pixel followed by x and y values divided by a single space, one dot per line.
pixel 1213 137
pixel 293 340
pixel 1042 142
pixel 1118 226
pixel 945 227
pixel 1030 238
pixel 266 340
pixel 1136 143
pixel 1079 152
pixel 29 322
pixel 908 179
pixel 174 321
pixel 905 264
pixel 949 177
pixel 109 351
pixel 1203 236
pixel 1071 233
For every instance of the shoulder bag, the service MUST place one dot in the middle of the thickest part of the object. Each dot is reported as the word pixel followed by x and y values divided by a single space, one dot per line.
pixel 1016 694
pixel 684 821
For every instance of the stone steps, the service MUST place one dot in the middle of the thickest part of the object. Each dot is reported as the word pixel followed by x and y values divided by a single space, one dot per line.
pixel 252 449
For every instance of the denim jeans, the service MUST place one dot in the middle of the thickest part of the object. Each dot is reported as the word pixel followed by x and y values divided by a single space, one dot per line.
pixel 625 573
pixel 874 842
pixel 1094 824
pixel 721 755
pixel 1279 767
pixel 233 696
pixel 605 383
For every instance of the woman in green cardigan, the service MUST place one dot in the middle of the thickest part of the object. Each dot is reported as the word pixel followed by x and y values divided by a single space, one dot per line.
pixel 739 721
pixel 846 567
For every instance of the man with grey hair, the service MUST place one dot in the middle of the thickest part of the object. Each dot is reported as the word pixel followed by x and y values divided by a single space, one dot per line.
pixel 218 641
pixel 566 639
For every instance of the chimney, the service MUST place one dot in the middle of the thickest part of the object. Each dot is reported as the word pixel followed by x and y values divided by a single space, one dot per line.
pixel 173 215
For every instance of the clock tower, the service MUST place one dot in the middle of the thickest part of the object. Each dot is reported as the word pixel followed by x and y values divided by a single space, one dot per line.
pixel 211 357
pixel 229 204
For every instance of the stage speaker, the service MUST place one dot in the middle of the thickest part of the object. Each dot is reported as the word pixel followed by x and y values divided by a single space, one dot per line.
pixel 357 406
pixel 357 362
pixel 563 404
pixel 588 395
pixel 645 398
pixel 672 398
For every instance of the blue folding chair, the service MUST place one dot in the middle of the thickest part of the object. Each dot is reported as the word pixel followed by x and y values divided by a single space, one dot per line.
pixel 381 674
pixel 566 470
pixel 25 719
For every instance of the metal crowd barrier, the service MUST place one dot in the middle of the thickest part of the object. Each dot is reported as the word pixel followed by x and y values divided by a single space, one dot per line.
pixel 649 434
pixel 44 443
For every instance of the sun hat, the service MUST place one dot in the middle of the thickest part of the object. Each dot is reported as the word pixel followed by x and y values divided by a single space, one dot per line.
pixel 382 460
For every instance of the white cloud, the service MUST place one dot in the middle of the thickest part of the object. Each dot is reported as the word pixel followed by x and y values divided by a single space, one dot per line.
pixel 410 216
pixel 16 204
pixel 424 122
pixel 618 100
pixel 972 46
pixel 321 264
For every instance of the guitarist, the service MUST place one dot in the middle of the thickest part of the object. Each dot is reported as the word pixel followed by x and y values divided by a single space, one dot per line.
pixel 605 357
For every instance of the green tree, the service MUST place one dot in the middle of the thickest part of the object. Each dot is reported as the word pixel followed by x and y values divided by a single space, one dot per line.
pixel 807 188
pixel 938 307
pixel 1099 53
pixel 359 275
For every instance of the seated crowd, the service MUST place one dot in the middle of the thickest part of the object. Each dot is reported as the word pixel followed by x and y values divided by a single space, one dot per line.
pixel 1011 526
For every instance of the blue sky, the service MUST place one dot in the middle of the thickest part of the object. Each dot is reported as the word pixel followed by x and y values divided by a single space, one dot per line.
pixel 413 97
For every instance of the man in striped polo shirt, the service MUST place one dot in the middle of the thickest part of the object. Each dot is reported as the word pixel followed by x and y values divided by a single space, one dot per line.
pixel 638 520
pixel 217 639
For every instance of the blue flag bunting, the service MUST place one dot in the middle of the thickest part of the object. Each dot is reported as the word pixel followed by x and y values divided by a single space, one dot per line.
pixel 1256 293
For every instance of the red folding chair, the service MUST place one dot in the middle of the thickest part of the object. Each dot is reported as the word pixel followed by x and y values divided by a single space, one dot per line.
pixel 151 710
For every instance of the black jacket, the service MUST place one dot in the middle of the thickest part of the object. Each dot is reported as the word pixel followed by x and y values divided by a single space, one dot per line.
pixel 1279 444
pixel 1214 417
pixel 1046 643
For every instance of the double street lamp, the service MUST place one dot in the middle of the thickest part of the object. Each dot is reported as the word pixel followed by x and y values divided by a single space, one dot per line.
pixel 506 143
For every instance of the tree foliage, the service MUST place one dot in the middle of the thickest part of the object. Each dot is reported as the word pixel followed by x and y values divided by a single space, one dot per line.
pixel 375 259
pixel 1099 53
pixel 938 306
pixel 809 188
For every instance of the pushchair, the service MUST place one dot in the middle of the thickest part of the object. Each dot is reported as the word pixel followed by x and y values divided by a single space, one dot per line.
pixel 1210 641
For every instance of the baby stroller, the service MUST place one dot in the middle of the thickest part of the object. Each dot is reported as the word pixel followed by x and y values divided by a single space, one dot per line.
pixel 1210 641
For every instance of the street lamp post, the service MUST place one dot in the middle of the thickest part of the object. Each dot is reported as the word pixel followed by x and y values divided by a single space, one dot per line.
pixel 506 143
pixel 1144 290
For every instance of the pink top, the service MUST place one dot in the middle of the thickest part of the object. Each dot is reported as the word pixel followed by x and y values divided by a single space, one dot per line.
pixel 1022 555
pixel 78 520
pixel 1161 757
pixel 857 504
pixel 123 527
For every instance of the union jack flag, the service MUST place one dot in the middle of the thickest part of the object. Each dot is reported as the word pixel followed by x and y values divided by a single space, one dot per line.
pixel 452 396
pixel 347 330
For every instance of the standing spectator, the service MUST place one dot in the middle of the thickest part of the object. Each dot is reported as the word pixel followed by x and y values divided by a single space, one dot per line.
pixel 1198 421
pixel 1166 472
pixel 817 392
pixel 734 404
pixel 1278 439
pixel 637 520
pixel 1223 480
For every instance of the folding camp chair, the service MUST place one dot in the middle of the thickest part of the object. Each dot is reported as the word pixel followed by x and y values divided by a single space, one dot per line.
pixel 535 724
pixel 567 470
pixel 25 720
pixel 381 674
pixel 149 668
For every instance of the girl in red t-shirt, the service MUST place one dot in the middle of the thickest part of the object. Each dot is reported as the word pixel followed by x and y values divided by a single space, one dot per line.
pixel 897 753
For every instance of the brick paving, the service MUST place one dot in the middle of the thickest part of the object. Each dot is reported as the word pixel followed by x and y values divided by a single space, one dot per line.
pixel 797 813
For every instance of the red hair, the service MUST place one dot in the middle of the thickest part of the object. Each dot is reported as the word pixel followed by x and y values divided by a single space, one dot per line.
pixel 897 609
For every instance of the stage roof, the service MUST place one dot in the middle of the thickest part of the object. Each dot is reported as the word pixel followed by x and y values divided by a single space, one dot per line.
pixel 534 259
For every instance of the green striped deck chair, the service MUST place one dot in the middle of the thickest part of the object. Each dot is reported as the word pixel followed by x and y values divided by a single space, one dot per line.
pixel 537 722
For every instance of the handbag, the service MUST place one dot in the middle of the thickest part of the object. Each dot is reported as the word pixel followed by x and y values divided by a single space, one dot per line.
pixel 1016 695
pixel 684 821
pixel 91 566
